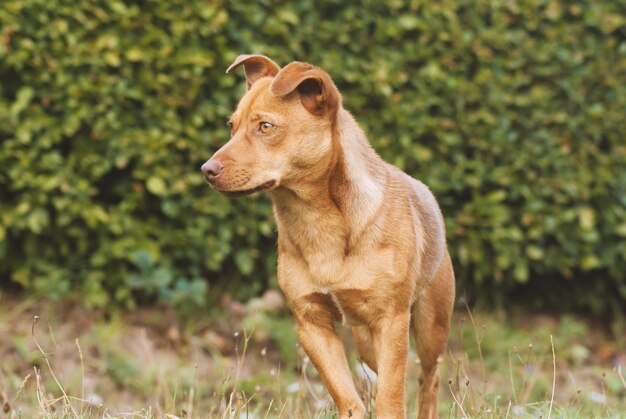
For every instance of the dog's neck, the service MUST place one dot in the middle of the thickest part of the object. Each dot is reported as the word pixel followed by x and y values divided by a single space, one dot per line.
pixel 358 182
pixel 352 183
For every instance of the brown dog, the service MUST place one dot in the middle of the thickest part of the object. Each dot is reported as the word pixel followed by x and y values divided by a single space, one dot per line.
pixel 359 241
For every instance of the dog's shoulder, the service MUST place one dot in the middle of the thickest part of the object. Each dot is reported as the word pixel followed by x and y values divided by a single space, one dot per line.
pixel 419 194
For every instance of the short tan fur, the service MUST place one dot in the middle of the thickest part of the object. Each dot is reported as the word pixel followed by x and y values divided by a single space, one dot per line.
pixel 359 241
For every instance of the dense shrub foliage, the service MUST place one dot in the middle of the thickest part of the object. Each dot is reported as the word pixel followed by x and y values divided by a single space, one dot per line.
pixel 511 111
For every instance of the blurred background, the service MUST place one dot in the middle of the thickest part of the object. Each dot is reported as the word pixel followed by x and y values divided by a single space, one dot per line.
pixel 513 112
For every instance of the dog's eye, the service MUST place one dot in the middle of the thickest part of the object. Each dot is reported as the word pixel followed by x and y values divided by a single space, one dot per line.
pixel 265 127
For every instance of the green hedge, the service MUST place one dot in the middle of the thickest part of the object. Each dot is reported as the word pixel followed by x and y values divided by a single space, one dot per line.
pixel 512 111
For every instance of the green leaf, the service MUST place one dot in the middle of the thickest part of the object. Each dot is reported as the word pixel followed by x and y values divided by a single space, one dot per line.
pixel 587 218
pixel 534 252
pixel 244 261
pixel 22 100
pixel 156 185
pixel 134 54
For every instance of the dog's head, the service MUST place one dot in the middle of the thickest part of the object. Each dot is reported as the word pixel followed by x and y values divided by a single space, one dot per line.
pixel 281 131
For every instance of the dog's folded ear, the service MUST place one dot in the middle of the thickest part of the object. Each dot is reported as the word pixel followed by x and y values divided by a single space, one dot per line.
pixel 317 91
pixel 255 67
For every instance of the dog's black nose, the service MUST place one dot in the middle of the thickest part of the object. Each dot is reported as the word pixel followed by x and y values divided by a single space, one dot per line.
pixel 212 168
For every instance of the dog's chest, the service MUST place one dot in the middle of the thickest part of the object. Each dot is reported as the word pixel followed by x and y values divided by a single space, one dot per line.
pixel 356 306
pixel 319 240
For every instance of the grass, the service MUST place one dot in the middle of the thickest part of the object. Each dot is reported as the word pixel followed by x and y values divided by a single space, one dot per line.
pixel 243 361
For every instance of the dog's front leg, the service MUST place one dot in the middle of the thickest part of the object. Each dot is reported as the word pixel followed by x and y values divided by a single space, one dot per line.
pixel 392 335
pixel 324 348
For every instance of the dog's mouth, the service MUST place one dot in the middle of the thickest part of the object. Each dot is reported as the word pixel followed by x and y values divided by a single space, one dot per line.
pixel 262 187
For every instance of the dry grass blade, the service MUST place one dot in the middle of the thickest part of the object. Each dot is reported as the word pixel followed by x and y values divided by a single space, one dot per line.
pixel 192 392
pixel 480 351
pixel 620 376
pixel 41 397
pixel 457 403
pixel 19 391
pixel 553 377
pixel 82 375
pixel 511 379
pixel 307 383
pixel 508 410
pixel 269 407
pixel 66 399
pixel 240 361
